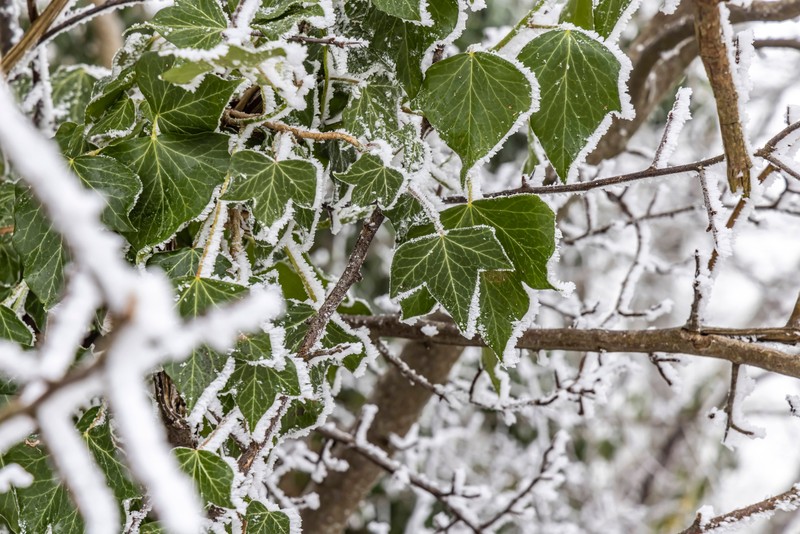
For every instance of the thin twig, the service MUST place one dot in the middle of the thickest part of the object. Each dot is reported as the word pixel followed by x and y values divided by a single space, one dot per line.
pixel 84 16
pixel 390 466
pixel 239 118
pixel 31 37
pixel 332 40
pixel 351 275
pixel 786 501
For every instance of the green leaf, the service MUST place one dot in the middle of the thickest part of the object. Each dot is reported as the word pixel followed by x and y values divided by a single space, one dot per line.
pixel 525 227
pixel 474 100
pixel 404 9
pixel 186 262
pixel 195 373
pixel 258 386
pixel 261 521
pixel 176 110
pixel 192 23
pixel 372 181
pixel 118 185
pixel 178 175
pixel 401 45
pixel 278 17
pixel 96 431
pixel 579 13
pixel 448 265
pixel 71 140
pixel 236 57
pixel 44 506
pixel 253 348
pixel 274 186
pixel 13 328
pixel 418 303
pixel 607 14
pixel 196 296
pixel 72 89
pixel 578 83
pixel 212 476
pixel 10 263
pixel 108 91
pixel 117 121
pixel 40 247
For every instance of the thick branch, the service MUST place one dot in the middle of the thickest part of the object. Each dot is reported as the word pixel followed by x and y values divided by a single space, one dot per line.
pixel 714 53
pixel 707 343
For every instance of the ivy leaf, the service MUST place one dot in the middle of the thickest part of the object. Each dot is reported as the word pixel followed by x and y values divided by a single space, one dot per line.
pixel 274 186
pixel 401 45
pixel 117 121
pixel 278 17
pixel 448 265
pixel 262 521
pixel 186 262
pixel 196 296
pixel 578 83
pixel 96 432
pixel 118 185
pixel 410 10
pixel 372 181
pixel 13 328
pixel 178 175
pixel 579 13
pixel 418 303
pixel 258 386
pixel 72 89
pixel 40 247
pixel 192 23
pixel 236 57
pixel 10 263
pixel 177 110
pixel 212 476
pixel 474 100
pixel 107 91
pixel 525 227
pixel 607 14
pixel 44 506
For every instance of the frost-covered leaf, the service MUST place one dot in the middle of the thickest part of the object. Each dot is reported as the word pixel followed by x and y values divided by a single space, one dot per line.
pixel 578 79
pixel 44 506
pixel 372 181
pixel 236 57
pixel 257 387
pixel 274 186
pixel 192 23
pixel 196 296
pixel 448 265
pixel 72 89
pixel 10 263
pixel 13 328
pixel 107 91
pixel 373 114
pixel 401 45
pixel 418 303
pixel 525 227
pixel 96 431
pixel 607 14
pixel 176 110
pixel 178 175
pixel 117 121
pixel 474 100
pixel 410 10
pixel 262 521
pixel 278 17
pixel 40 247
pixel 212 476
pixel 579 13
pixel 186 262
pixel 119 186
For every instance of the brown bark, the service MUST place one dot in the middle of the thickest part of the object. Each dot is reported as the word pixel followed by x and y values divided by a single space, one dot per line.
pixel 400 404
